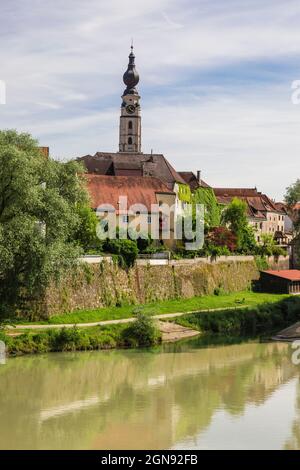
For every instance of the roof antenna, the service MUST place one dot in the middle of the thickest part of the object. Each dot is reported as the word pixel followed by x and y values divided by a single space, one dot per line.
pixel 131 44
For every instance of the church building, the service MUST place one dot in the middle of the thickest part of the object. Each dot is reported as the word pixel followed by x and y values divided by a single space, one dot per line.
pixel 140 176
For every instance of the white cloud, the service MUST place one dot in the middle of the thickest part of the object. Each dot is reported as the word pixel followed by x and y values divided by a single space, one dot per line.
pixel 63 63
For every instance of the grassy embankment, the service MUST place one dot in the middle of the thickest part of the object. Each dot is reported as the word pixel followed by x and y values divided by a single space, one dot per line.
pixel 167 306
pixel 141 333
pixel 266 314
pixel 262 319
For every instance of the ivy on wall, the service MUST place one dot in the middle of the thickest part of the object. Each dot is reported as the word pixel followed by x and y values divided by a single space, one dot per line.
pixel 206 196
pixel 184 193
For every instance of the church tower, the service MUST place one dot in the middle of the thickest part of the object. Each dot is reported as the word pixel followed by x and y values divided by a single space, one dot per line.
pixel 130 119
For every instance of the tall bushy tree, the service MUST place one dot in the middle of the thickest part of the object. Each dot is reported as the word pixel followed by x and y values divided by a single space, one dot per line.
pixel 85 234
pixel 38 200
pixel 292 195
pixel 235 217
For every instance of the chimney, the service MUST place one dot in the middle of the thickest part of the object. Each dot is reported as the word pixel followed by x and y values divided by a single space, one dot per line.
pixel 199 177
pixel 44 151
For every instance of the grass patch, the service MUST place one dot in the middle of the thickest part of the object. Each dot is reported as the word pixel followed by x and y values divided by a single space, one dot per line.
pixel 166 306
pixel 263 319
pixel 64 339
pixel 139 334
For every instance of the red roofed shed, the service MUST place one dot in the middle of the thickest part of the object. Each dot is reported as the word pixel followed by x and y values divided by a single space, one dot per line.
pixel 281 282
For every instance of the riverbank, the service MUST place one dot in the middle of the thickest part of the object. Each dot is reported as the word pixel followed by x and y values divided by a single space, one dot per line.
pixel 194 304
pixel 263 319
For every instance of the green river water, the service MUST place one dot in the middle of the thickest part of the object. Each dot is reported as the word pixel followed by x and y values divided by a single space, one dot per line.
pixel 181 395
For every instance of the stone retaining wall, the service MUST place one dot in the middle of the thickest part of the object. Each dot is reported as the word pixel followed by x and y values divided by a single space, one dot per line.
pixel 106 284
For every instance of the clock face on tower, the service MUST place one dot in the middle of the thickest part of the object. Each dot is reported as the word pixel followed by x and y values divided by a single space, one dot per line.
pixel 130 108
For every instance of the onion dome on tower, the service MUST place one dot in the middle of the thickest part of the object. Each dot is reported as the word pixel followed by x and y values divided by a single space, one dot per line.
pixel 130 119
pixel 131 77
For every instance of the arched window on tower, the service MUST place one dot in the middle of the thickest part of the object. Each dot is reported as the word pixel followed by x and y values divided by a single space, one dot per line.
pixel 130 125
pixel 129 140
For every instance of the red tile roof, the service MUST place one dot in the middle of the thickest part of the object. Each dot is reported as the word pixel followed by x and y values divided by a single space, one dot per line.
pixel 235 192
pixel 191 179
pixel 282 207
pixel 290 274
pixel 139 190
pixel 257 203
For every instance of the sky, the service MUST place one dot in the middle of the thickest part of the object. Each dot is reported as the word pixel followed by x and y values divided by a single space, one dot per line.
pixel 215 82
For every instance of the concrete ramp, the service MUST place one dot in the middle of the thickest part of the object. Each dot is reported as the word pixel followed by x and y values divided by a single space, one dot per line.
pixel 289 334
pixel 172 332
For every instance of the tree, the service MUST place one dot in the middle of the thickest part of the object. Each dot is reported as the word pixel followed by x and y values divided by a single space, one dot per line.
pixel 38 200
pixel 292 195
pixel 269 247
pixel 222 236
pixel 85 233
pixel 291 198
pixel 235 217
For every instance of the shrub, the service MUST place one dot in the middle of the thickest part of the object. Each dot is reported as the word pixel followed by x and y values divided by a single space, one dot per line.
pixel 141 332
pixel 102 341
pixel 219 291
pixel 210 250
pixel 144 244
pixel 3 336
pixel 126 250
pixel 261 263
pixel 69 339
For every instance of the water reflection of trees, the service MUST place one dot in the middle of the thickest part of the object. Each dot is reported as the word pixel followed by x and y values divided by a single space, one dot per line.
pixel 132 399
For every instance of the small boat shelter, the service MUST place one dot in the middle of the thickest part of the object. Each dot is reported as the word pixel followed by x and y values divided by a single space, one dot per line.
pixel 281 282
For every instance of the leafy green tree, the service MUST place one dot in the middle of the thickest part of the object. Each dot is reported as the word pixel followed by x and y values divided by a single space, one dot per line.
pixel 85 233
pixel 292 195
pixel 269 247
pixel 235 217
pixel 38 200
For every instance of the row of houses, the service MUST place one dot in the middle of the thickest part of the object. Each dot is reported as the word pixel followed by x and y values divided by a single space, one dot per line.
pixel 150 180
